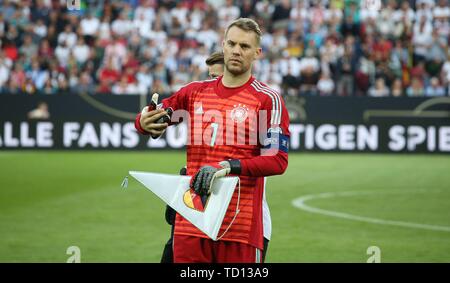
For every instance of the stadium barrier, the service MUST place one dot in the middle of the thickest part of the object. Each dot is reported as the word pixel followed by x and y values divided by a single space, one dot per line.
pixel 318 124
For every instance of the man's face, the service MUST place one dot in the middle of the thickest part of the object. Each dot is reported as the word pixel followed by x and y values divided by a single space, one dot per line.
pixel 240 49
pixel 215 70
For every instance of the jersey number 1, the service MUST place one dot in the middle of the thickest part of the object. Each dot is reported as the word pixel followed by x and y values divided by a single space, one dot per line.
pixel 214 126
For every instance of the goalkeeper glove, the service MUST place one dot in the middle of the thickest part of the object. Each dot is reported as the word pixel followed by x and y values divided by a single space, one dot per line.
pixel 203 180
pixel 154 105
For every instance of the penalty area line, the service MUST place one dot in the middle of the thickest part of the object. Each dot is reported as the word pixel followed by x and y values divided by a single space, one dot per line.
pixel 300 203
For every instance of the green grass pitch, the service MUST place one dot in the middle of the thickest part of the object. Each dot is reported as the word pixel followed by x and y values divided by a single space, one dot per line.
pixel 50 201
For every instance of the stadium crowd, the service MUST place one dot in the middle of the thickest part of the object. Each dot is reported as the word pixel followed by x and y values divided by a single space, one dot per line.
pixel 310 47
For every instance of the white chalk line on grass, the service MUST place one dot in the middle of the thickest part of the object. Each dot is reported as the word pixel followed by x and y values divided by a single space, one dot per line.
pixel 301 204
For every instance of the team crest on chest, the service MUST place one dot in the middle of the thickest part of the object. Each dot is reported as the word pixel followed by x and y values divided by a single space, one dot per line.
pixel 239 113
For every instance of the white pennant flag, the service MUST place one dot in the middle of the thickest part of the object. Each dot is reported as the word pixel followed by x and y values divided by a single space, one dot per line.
pixel 174 191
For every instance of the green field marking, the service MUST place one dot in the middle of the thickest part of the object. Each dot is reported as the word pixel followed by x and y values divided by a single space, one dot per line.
pixel 50 201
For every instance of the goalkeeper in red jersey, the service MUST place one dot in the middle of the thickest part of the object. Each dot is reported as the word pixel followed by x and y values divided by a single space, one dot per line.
pixel 237 126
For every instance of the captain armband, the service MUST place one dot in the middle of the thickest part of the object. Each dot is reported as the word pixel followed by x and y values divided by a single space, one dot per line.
pixel 276 140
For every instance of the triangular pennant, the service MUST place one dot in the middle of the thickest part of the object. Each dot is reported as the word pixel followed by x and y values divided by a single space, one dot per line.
pixel 174 191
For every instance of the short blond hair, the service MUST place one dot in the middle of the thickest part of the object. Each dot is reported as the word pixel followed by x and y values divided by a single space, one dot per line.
pixel 248 25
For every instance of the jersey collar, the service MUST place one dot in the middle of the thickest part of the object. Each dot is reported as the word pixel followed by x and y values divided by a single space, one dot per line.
pixel 225 92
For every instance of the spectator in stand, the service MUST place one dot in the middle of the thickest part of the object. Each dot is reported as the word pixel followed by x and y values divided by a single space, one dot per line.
pixel 397 89
pixel 67 36
pixel 227 13
pixel 5 66
pixel 18 76
pixel 380 89
pixel 384 71
pixel 37 75
pixel 124 87
pixel 85 84
pixel 365 73
pixel 349 27
pixel 180 13
pixel 40 29
pixel 325 86
pixel 435 88
pixel 299 17
pixel 247 9
pixel 199 58
pixel 176 29
pixel 422 37
pixel 29 87
pixel 442 11
pixel 48 88
pixel 180 78
pixel 281 14
pixel 12 36
pixel 264 10
pixel 104 29
pixel 352 21
pixel 437 48
pixel 436 55
pixel 109 74
pixel 130 62
pixel 442 27
pixel 197 16
pixel 345 73
pixel 2 26
pixel 89 27
pixel 158 34
pixel 423 9
pixel 73 76
pixel 309 73
pixel 62 84
pixel 142 24
pixel 445 74
pixel 144 78
pixel 403 28
pixel 416 88
pixel 405 12
pixel 81 51
pixel 399 57
pixel 29 49
pixel 122 25
pixel 45 51
pixel 330 53
pixel 103 88
pixel 129 73
pixel 62 53
pixel 40 11
pixel 290 84
pixel 419 71
pixel 385 21
pixel 8 11
pixel 116 51
pixel 382 49
pixel 162 74
pixel 160 86
pixel 207 36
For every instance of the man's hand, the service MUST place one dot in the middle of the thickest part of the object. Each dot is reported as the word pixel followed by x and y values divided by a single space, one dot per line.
pixel 202 181
pixel 149 120
pixel 154 120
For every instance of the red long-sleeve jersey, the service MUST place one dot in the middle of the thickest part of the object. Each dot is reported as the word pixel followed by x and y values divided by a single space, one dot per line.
pixel 226 123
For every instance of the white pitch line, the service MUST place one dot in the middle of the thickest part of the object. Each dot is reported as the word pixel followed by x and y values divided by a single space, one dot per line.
pixel 301 204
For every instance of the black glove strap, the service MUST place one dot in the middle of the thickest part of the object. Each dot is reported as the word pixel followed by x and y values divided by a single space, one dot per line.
pixel 235 166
